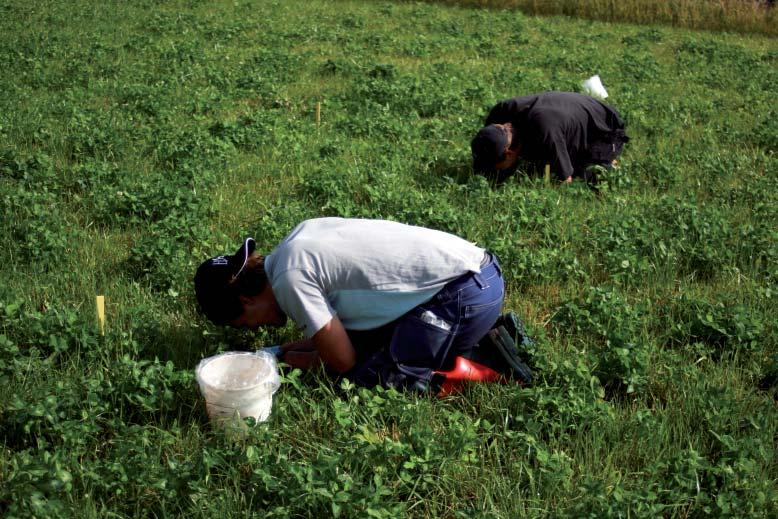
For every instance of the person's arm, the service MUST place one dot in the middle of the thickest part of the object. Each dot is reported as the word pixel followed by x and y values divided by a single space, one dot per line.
pixel 334 346
pixel 560 159
pixel 546 131
pixel 330 345
pixel 301 296
pixel 300 354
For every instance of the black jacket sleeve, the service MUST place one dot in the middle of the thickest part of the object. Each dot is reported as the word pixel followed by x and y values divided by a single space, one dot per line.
pixel 552 146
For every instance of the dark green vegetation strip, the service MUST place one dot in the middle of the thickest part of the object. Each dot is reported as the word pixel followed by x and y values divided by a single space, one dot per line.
pixel 138 138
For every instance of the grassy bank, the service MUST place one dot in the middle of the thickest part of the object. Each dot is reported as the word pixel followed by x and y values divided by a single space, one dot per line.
pixel 138 138
pixel 716 15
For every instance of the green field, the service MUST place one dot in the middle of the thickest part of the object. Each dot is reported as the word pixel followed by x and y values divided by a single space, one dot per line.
pixel 139 138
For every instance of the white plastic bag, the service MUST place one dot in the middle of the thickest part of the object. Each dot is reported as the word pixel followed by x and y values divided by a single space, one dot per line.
pixel 593 87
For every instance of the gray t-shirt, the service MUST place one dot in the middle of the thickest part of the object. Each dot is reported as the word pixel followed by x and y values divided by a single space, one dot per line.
pixel 365 272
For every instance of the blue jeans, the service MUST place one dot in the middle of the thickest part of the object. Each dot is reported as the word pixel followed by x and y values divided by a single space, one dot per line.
pixel 430 336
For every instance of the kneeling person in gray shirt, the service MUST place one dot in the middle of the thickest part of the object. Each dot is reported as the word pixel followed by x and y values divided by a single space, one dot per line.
pixel 379 302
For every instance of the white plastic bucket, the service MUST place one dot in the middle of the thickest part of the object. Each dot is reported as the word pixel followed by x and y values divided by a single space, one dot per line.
pixel 237 385
pixel 594 87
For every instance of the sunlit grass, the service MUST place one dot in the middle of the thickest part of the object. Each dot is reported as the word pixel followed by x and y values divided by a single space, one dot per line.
pixel 733 15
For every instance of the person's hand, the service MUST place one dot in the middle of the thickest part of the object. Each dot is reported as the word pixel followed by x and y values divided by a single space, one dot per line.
pixel 302 359
pixel 275 349
pixel 297 354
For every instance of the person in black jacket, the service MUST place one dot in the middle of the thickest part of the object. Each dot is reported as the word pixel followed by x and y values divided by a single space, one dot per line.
pixel 570 132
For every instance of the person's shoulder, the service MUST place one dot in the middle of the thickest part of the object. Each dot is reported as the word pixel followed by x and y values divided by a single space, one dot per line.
pixel 318 223
pixel 554 107
pixel 291 250
pixel 293 277
pixel 556 98
pixel 510 110
pixel 519 102
pixel 562 94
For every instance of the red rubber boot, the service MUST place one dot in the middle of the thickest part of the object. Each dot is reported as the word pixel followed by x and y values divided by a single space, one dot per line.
pixel 466 370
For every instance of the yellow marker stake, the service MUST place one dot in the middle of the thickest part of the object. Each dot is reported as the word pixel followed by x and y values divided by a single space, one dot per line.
pixel 318 114
pixel 547 174
pixel 100 302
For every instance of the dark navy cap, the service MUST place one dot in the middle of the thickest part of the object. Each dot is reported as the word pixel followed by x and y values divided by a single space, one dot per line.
pixel 218 298
pixel 488 147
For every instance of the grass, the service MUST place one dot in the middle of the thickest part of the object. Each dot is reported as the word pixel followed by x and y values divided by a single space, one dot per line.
pixel 757 16
pixel 137 139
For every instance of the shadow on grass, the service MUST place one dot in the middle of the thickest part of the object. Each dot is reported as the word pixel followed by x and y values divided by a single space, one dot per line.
pixel 460 171
pixel 184 345
pixel 455 170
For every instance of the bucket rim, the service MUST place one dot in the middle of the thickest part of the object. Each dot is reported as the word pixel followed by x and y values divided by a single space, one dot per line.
pixel 273 384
